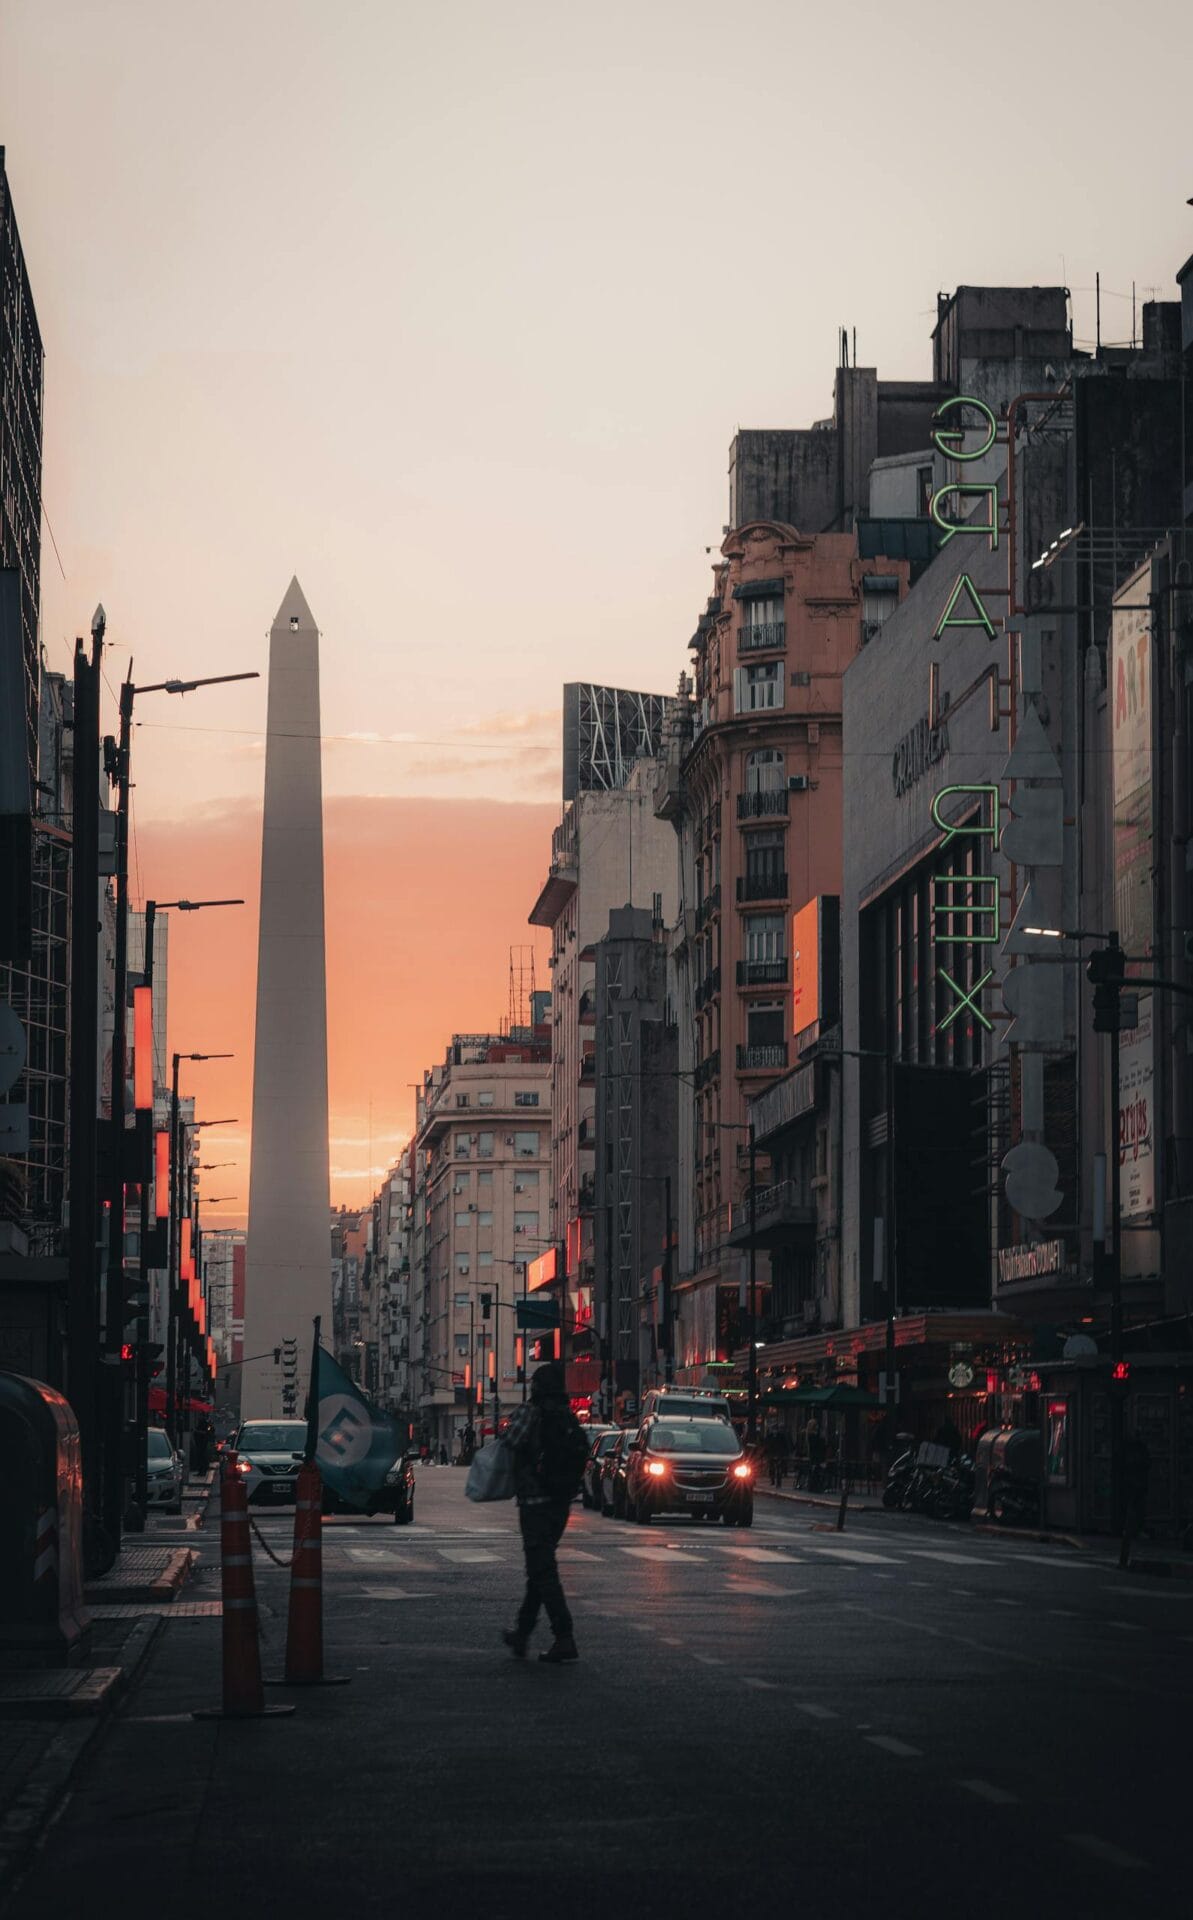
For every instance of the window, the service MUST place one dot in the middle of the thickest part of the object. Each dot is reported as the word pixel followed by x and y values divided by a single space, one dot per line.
pixel 461 1099
pixel 526 1099
pixel 484 1219
pixel 484 1146
pixel 484 1259
pixel 765 1026
pixel 485 1177
pixel 759 687
pixel 463 1146
pixel 463 1264
pixel 526 1223
pixel 526 1144
pixel 485 1099
pixel 765 936
pixel 764 859
pixel 527 1181
pixel 463 1183
pixel 461 1299
pixel 462 1344
pixel 765 771
pixel 463 1222
pixel 764 611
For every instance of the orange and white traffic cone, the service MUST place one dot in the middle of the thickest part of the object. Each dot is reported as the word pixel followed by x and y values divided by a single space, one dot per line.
pixel 243 1692
pixel 304 1630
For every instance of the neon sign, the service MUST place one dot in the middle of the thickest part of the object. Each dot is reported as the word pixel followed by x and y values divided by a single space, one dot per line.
pixel 964 606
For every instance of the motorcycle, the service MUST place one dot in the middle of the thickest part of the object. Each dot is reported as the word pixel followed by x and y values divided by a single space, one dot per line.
pixel 898 1479
pixel 951 1496
pixel 1013 1502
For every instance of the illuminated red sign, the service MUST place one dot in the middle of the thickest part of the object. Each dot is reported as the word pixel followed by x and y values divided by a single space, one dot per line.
pixel 544 1271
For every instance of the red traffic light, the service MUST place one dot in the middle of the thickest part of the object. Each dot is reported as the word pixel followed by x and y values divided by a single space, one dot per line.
pixel 126 1352
pixel 1120 1372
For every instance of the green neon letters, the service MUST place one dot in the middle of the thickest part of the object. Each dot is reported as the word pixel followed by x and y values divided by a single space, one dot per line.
pixel 965 999
pixel 979 901
pixel 951 440
pixel 988 491
pixel 977 829
pixel 978 618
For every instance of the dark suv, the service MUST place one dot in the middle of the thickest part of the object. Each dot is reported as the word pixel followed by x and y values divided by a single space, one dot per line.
pixel 689 1466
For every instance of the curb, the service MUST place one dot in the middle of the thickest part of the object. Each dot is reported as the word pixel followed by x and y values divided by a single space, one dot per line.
pixel 164 1586
pixel 1030 1533
pixel 831 1503
pixel 1164 1569
pixel 42 1798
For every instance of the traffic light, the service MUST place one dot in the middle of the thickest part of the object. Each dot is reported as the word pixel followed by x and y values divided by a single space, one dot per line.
pixel 486 1306
pixel 1106 968
pixel 277 1356
pixel 1120 1376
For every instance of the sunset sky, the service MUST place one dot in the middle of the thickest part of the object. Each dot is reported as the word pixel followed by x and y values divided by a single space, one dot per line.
pixel 453 311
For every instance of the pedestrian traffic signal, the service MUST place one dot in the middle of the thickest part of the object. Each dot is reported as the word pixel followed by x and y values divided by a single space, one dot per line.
pixel 1120 1376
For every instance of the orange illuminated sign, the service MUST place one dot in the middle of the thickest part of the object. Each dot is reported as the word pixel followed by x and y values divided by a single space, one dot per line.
pixel 186 1266
pixel 544 1271
pixel 161 1174
pixel 805 967
pixel 143 1049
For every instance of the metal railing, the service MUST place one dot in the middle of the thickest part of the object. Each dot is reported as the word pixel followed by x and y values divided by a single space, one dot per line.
pixel 762 973
pixel 772 1058
pixel 768 884
pixel 767 634
pixel 763 804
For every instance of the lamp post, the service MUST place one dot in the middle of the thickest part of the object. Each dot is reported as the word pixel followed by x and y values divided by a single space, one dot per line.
pixel 117 757
pixel 136 1508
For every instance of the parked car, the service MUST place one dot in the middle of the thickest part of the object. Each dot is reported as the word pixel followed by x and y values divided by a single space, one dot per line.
pixel 685 1403
pixel 396 1496
pixel 164 1477
pixel 695 1467
pixel 606 1439
pixel 268 1456
pixel 611 1489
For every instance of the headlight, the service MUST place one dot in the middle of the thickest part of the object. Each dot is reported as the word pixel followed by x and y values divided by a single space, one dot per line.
pixel 656 1468
pixel 741 1471
pixel 244 1466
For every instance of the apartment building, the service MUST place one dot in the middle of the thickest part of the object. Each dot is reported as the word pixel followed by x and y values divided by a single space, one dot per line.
pixel 480 1214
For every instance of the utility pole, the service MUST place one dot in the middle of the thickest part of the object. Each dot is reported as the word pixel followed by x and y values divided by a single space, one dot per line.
pixel 83 1269
pixel 610 1316
pixel 752 1358
pixel 116 1304
pixel 668 1309
pixel 1106 968
pixel 892 1305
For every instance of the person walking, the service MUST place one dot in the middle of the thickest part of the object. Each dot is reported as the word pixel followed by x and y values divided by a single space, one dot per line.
pixel 814 1441
pixel 549 1450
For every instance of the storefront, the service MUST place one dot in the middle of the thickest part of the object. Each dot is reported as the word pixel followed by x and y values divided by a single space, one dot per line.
pixel 1075 1411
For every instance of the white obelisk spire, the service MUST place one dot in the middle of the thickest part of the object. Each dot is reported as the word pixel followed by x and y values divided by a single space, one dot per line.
pixel 288 1264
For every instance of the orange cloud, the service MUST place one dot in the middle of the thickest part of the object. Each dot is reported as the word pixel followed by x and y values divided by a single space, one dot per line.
pixel 424 899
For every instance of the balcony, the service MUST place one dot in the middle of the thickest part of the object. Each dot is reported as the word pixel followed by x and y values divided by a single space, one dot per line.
pixel 710 985
pixel 586 1133
pixel 768 1059
pixel 765 805
pixel 782 1218
pixel 708 906
pixel 768 885
pixel 586 1011
pixel 588 1070
pixel 756 639
pixel 762 973
pixel 709 1069
pixel 587 1193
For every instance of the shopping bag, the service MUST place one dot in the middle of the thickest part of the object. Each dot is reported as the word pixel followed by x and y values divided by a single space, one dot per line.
pixel 491 1475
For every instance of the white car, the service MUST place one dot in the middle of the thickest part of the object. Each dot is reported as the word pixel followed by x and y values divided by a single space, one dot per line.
pixel 268 1456
pixel 685 1403
pixel 163 1480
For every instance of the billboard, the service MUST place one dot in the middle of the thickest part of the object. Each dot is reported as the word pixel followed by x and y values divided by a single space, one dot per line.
pixel 605 730
pixel 1136 1116
pixel 815 965
pixel 1131 761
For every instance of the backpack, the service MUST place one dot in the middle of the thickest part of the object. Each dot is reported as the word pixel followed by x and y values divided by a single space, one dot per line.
pixel 563 1451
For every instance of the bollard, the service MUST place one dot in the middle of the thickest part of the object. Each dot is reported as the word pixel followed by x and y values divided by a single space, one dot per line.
pixel 842 1507
pixel 304 1627
pixel 243 1692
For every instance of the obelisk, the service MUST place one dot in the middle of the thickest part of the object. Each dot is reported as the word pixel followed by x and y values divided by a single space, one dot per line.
pixel 288 1262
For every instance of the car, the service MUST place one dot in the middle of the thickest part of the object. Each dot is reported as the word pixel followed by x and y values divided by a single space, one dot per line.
pixel 685 1403
pixel 606 1439
pixel 611 1490
pixel 396 1496
pixel 163 1480
pixel 268 1456
pixel 695 1467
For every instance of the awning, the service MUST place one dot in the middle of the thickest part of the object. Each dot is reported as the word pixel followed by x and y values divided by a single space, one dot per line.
pixel 157 1402
pixel 840 1397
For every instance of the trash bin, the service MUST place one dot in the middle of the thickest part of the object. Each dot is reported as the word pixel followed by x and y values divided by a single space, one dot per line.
pixel 42 1612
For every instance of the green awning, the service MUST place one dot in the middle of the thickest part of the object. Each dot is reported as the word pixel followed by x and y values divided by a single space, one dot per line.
pixel 840 1398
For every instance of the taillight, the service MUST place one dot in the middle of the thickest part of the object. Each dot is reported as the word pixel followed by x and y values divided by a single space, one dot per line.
pixel 656 1467
pixel 741 1471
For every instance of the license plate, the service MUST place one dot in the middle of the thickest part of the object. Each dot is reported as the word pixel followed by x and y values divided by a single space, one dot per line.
pixel 703 1497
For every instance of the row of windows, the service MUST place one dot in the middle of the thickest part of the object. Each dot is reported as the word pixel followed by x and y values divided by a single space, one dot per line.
pixel 485 1098
pixel 523 1143
pixel 526 1180
pixel 524 1222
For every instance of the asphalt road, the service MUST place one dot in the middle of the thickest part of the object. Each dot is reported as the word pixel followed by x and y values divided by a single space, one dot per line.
pixel 904 1719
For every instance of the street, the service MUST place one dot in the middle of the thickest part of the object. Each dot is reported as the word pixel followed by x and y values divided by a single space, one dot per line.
pixel 908 1716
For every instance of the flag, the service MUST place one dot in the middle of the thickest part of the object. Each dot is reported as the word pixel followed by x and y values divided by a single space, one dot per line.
pixel 356 1444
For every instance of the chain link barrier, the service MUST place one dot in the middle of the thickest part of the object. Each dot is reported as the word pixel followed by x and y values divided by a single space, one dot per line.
pixel 276 1558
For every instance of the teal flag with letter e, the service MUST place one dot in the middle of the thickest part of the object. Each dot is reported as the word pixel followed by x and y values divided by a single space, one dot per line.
pixel 356 1444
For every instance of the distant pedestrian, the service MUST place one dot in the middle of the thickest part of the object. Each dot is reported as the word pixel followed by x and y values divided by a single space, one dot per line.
pixel 816 1450
pixel 443 1459
pixel 201 1444
pixel 549 1449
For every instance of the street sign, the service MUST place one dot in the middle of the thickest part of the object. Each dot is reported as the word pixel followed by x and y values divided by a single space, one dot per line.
pixel 537 1313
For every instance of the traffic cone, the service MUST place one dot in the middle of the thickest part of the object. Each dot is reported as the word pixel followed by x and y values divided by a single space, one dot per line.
pixel 304 1628
pixel 244 1697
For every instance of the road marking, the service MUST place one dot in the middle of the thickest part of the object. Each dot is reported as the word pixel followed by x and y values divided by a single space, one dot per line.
pixel 1001 1600
pixel 1104 1850
pixel 764 1556
pixel 986 1790
pixel 963 1593
pixel 765 1588
pixel 762 1686
pixel 1159 1592
pixel 669 1640
pixel 1049 1560
pixel 393 1593
pixel 708 1659
pixel 468 1556
pixel 367 1553
pixel 1125 1626
pixel 1063 1613
pixel 853 1555
pixel 899 1748
pixel 575 1553
pixel 950 1559
pixel 814 1712
pixel 660 1555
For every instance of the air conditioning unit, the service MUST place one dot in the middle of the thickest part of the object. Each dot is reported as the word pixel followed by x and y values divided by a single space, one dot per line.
pixel 464 1269
pixel 472 1206
pixel 519 1229
pixel 519 1186
pixel 798 783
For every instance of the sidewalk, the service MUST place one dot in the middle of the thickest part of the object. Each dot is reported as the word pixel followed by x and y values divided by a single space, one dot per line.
pixel 50 1716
